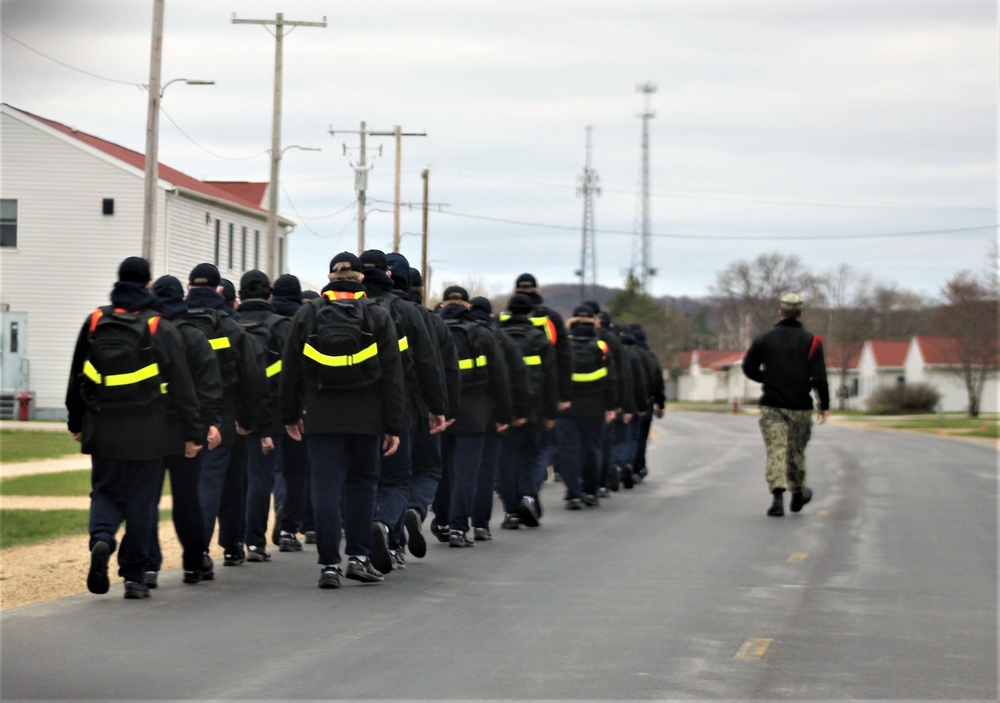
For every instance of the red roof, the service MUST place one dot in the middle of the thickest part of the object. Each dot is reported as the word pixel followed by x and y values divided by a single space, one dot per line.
pixel 709 358
pixel 889 354
pixel 244 197
pixel 938 350
pixel 245 190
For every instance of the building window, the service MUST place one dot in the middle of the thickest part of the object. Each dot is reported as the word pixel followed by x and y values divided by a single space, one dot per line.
pixel 8 223
pixel 230 245
pixel 244 249
pixel 256 248
pixel 218 241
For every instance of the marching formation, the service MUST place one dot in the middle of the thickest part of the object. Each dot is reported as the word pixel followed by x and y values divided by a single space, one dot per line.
pixel 358 409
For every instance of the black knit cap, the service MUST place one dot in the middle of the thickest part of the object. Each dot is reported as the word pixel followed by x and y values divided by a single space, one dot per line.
pixel 254 284
pixel 205 275
pixel 455 293
pixel 481 303
pixel 416 280
pixel 593 305
pixel 526 280
pixel 168 288
pixel 345 257
pixel 399 267
pixel 134 269
pixel 520 304
pixel 228 290
pixel 287 286
pixel 583 311
pixel 310 295
pixel 374 259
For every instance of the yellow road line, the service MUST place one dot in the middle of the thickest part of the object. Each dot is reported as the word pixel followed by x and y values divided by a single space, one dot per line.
pixel 797 556
pixel 753 649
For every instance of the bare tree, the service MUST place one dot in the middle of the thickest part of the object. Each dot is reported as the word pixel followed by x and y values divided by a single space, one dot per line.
pixel 969 320
pixel 847 322
pixel 898 313
pixel 748 293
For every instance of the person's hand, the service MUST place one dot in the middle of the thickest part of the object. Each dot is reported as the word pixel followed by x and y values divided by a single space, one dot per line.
pixel 77 435
pixel 437 423
pixel 214 437
pixel 609 417
pixel 564 405
pixel 659 411
pixel 240 430
pixel 295 431
pixel 266 445
pixel 823 415
pixel 626 418
pixel 519 422
pixel 548 423
pixel 501 427
pixel 191 450
pixel 389 445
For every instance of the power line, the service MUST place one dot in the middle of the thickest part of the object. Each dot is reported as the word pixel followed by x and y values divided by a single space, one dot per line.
pixel 207 151
pixel 725 237
pixel 66 65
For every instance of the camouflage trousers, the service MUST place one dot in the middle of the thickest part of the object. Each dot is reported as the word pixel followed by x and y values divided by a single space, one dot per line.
pixel 786 433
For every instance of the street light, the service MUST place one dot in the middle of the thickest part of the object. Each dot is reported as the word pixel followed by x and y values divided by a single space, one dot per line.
pixel 152 157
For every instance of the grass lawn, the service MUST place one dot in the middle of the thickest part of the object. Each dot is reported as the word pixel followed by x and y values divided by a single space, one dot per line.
pixel 19 527
pixel 29 445
pixel 62 483
pixel 958 425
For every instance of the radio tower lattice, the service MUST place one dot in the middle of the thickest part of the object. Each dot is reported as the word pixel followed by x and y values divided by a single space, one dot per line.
pixel 588 254
pixel 640 242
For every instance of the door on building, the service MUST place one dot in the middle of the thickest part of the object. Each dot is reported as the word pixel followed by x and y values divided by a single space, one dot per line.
pixel 13 351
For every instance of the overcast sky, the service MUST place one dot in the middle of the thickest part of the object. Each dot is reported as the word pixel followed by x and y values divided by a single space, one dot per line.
pixel 798 126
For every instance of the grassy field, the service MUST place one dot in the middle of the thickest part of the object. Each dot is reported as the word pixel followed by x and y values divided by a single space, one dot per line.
pixel 955 425
pixel 31 445
pixel 62 483
pixel 20 527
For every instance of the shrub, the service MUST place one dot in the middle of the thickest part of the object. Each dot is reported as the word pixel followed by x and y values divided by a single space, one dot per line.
pixel 911 398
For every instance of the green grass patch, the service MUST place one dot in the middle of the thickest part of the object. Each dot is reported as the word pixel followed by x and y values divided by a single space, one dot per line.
pixel 33 445
pixel 61 483
pixel 962 426
pixel 21 527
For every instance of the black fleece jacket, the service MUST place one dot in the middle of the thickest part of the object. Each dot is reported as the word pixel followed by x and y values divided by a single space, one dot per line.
pixel 788 360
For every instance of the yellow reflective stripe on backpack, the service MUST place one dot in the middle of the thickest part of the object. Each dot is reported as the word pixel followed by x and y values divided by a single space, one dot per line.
pixel 346 360
pixel 533 360
pixel 590 377
pixel 220 343
pixel 125 379
pixel 274 369
pixel 90 372
pixel 404 344
pixel 466 364
pixel 163 388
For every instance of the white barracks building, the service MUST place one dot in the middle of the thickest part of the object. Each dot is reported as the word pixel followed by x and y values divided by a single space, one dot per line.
pixel 71 208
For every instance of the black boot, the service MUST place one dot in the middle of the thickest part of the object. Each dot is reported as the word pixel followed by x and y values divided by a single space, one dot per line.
pixel 777 508
pixel 800 498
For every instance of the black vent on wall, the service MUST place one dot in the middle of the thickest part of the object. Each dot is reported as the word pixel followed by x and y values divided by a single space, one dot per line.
pixel 108 206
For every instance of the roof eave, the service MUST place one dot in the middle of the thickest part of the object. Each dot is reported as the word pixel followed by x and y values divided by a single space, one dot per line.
pixel 262 214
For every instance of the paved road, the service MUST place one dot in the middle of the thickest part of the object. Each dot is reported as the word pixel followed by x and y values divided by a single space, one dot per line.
pixel 885 587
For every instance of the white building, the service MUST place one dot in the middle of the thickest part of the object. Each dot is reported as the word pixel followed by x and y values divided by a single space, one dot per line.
pixel 71 209
pixel 933 360
pixel 708 375
pixel 882 363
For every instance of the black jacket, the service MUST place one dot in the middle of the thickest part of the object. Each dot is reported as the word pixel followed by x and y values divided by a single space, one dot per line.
pixel 135 436
pixel 542 401
pixel 585 401
pixel 365 411
pixel 259 311
pixel 555 328
pixel 788 361
pixel 245 392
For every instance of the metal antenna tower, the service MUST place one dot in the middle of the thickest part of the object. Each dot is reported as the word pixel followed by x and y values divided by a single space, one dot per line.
pixel 588 255
pixel 640 242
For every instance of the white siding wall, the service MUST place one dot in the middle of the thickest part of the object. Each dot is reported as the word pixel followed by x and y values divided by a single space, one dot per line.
pixel 68 252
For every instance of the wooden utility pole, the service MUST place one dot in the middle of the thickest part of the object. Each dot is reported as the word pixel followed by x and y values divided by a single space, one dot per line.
pixel 272 215
pixel 152 136
pixel 398 133
pixel 425 175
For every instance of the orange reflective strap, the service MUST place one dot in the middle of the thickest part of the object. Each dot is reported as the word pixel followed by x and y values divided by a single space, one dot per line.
pixel 154 322
pixel 343 294
pixel 94 317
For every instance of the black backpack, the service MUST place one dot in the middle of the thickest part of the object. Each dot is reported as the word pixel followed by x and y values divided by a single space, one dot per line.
pixel 340 347
pixel 472 358
pixel 267 342
pixel 208 321
pixel 392 304
pixel 532 346
pixel 120 371
pixel 590 364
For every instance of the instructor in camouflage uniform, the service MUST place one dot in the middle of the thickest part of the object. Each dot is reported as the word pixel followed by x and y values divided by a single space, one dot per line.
pixel 788 361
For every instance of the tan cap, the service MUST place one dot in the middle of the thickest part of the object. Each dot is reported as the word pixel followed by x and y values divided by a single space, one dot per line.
pixel 791 302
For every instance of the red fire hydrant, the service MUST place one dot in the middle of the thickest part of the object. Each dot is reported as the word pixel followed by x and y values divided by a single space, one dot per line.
pixel 24 399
